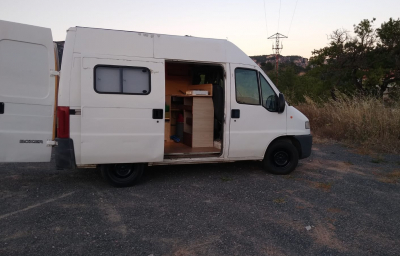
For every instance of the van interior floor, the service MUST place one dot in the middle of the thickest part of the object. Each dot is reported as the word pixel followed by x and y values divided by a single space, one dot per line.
pixel 174 149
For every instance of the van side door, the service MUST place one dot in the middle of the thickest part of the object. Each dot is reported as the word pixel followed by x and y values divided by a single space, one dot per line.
pixel 122 115
pixel 254 120
pixel 26 92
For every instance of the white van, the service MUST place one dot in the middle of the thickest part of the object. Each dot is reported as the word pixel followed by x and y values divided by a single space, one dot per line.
pixel 129 99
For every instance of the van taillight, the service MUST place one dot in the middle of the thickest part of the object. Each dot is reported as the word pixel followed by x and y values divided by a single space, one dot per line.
pixel 62 122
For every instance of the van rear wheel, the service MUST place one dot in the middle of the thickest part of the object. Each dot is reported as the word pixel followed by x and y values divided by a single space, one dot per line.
pixel 281 157
pixel 122 175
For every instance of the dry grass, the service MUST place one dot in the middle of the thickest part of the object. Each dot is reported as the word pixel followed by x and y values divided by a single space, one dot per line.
pixel 363 121
pixel 391 177
pixel 280 201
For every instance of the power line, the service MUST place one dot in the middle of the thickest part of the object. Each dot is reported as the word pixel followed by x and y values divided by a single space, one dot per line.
pixel 265 14
pixel 292 17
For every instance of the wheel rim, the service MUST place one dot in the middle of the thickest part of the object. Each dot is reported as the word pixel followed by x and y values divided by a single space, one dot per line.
pixel 122 170
pixel 281 158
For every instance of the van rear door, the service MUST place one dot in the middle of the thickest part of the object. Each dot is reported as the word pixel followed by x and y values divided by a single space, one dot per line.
pixel 26 92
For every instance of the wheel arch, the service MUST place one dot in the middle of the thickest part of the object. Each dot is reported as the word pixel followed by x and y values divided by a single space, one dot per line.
pixel 292 139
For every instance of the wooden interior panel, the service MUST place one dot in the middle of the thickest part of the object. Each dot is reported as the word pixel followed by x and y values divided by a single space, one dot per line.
pixel 198 112
pixel 187 139
pixel 202 139
pixel 204 87
pixel 178 80
pixel 177 69
pixel 173 148
pixel 167 130
pixel 203 125
pixel 186 126
pixel 175 84
pixel 203 122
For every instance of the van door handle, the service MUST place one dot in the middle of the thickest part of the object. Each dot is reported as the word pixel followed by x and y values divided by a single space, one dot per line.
pixel 1 107
pixel 158 113
pixel 235 113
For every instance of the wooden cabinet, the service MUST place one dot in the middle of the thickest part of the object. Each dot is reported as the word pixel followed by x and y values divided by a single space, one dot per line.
pixel 198 121
pixel 198 114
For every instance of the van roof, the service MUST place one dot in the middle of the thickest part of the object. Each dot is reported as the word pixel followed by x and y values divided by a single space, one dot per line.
pixel 98 41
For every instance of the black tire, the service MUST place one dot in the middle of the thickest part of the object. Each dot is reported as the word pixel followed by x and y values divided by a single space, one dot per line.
pixel 122 175
pixel 281 157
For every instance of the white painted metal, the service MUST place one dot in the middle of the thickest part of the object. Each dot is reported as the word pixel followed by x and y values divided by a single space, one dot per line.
pixel 112 42
pixel 117 128
pixel 27 90
pixel 203 160
pixel 198 50
pixel 296 122
pixel 67 81
pixel 51 143
pixel 251 134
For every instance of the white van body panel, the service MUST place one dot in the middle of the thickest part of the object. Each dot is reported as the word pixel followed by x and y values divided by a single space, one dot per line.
pixel 256 128
pixel 198 49
pixel 66 70
pixel 112 128
pixel 296 122
pixel 91 41
pixel 27 91
pixel 119 128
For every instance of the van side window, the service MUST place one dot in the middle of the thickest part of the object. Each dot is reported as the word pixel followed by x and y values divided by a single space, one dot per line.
pixel 121 80
pixel 268 95
pixel 247 91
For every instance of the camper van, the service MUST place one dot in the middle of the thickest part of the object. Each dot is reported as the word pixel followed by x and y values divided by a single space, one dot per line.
pixel 120 101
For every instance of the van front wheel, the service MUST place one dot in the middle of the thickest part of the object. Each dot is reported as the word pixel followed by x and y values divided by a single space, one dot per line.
pixel 122 175
pixel 281 157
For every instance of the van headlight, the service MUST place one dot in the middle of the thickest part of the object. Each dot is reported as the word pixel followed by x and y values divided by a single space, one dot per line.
pixel 307 124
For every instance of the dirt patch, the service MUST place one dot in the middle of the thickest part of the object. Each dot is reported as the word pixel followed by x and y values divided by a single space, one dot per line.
pixel 334 210
pixel 200 247
pixel 322 185
pixel 392 177
pixel 325 236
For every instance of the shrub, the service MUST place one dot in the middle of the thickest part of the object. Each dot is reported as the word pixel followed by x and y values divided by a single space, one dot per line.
pixel 361 120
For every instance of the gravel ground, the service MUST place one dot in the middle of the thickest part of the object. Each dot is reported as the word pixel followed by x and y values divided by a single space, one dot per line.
pixel 350 203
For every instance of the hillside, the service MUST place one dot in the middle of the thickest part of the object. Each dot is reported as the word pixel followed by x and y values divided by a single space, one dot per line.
pixel 297 60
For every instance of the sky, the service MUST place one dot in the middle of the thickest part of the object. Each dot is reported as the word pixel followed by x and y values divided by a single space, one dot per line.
pixel 247 24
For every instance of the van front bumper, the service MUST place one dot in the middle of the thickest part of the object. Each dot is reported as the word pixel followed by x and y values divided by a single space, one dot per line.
pixel 305 142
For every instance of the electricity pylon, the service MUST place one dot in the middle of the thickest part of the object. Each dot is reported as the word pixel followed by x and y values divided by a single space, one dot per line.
pixel 277 49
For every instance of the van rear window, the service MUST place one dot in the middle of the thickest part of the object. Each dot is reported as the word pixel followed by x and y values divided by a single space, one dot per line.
pixel 121 80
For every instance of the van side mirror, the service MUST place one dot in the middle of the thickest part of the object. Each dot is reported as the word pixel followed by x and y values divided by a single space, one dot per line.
pixel 281 103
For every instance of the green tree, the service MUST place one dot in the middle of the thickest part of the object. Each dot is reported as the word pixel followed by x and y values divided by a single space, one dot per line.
pixel 267 66
pixel 366 62
pixel 388 49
